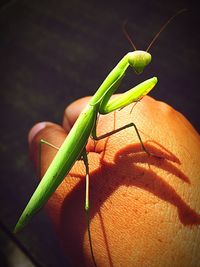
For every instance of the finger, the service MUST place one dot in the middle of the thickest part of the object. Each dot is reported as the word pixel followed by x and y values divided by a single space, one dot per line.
pixel 72 112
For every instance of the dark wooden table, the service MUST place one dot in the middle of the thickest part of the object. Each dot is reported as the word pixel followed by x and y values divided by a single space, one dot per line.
pixel 53 52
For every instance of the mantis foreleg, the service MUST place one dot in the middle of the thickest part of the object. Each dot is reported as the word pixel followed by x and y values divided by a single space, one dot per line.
pixel 109 105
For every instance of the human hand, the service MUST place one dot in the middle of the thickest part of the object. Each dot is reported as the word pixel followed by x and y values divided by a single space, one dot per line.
pixel 145 210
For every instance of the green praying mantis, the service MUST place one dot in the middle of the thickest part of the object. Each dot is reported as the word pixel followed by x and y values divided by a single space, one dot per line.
pixel 73 148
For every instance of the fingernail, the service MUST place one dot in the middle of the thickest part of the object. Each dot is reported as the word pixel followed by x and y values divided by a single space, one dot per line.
pixel 36 129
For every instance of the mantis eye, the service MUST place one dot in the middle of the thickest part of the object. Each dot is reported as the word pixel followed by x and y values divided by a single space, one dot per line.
pixel 138 60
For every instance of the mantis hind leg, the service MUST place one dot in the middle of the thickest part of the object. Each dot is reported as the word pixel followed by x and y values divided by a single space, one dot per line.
pixel 43 142
pixel 87 203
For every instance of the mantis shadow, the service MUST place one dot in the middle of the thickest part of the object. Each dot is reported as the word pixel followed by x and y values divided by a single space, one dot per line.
pixel 126 171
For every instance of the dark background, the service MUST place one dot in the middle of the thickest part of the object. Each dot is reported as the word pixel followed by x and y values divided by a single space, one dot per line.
pixel 53 52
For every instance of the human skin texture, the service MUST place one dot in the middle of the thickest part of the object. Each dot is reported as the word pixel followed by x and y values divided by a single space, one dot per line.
pixel 144 209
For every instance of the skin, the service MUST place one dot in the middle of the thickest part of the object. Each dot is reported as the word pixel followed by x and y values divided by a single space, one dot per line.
pixel 145 210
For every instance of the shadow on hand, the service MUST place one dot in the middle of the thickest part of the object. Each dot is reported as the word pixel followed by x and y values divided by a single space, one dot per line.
pixel 125 171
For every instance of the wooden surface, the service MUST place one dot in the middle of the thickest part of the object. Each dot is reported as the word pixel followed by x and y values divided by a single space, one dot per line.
pixel 53 52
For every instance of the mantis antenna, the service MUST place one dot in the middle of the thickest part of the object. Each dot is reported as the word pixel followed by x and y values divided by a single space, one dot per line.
pixel 127 35
pixel 156 36
pixel 164 26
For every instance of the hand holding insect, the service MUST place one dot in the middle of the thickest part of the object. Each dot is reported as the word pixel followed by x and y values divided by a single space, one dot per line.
pixel 139 214
pixel 74 146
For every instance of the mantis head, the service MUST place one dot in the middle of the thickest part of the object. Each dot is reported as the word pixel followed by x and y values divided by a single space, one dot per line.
pixel 138 60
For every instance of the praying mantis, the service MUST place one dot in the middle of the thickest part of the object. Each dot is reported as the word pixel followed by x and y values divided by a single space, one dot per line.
pixel 74 146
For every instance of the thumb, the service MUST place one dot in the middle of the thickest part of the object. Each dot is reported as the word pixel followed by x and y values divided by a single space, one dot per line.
pixel 53 134
pixel 44 139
